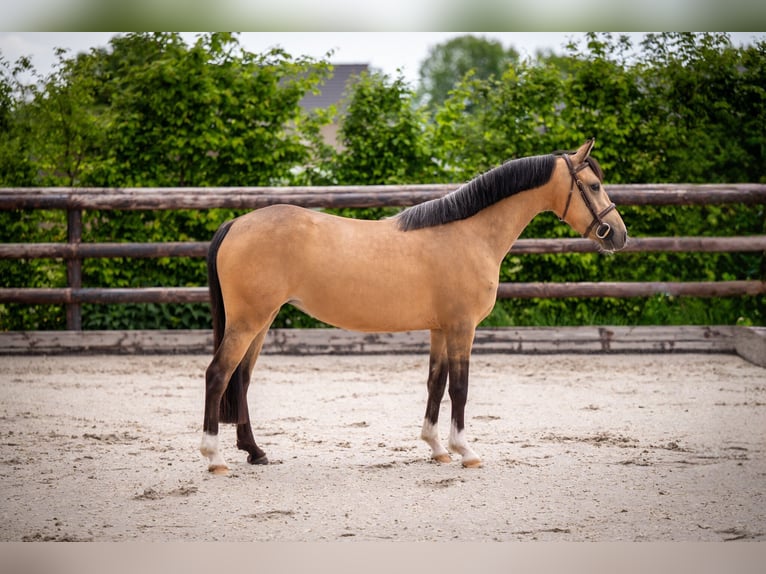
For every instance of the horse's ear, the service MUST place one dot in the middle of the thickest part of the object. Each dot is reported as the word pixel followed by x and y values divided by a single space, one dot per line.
pixel 583 151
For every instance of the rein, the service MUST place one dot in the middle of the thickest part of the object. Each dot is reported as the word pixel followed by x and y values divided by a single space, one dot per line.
pixel 603 229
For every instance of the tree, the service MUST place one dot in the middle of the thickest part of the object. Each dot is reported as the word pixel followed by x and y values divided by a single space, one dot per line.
pixel 16 166
pixel 209 114
pixel 708 105
pixel 449 62
pixel 382 134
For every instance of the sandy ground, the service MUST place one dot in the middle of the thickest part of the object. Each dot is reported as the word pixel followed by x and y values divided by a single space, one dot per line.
pixel 575 447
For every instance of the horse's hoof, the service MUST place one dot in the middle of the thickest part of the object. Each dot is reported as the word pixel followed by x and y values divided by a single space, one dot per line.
pixel 219 469
pixel 260 460
pixel 442 458
pixel 473 463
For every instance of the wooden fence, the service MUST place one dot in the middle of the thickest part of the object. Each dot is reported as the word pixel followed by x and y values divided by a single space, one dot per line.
pixel 76 200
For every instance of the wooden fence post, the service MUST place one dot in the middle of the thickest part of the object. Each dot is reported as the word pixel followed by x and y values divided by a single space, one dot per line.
pixel 74 269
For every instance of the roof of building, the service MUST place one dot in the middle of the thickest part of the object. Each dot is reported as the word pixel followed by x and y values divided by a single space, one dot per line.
pixel 334 88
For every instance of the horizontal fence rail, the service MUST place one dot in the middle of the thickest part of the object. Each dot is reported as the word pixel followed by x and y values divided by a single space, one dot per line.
pixel 75 200
pixel 338 196
pixel 504 291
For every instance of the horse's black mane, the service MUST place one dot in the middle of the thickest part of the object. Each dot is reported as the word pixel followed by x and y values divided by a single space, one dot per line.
pixel 512 177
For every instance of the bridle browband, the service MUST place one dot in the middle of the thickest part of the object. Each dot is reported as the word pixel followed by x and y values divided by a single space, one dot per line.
pixel 603 228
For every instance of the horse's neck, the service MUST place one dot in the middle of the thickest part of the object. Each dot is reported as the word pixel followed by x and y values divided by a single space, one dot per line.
pixel 501 224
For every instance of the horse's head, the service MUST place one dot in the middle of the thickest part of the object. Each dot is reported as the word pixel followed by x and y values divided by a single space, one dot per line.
pixel 583 202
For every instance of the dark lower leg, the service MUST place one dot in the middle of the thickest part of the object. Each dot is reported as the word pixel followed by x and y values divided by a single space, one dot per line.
pixel 437 381
pixel 245 439
pixel 246 442
pixel 458 391
pixel 216 380
pixel 459 359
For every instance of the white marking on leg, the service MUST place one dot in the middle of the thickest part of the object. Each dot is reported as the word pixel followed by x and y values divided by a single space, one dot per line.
pixel 209 448
pixel 459 444
pixel 430 434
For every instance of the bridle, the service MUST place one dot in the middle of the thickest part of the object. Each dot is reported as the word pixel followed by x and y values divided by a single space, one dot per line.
pixel 603 229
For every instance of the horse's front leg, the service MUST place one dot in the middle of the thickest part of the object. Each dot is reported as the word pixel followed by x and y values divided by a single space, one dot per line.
pixel 459 354
pixel 437 381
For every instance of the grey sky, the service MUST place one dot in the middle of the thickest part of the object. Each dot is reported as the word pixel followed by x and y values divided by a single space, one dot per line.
pixel 387 51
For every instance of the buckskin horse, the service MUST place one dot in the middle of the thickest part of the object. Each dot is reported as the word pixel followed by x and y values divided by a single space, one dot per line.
pixel 433 266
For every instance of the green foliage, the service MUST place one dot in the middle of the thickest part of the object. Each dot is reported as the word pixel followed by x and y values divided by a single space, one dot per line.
pixel 39 226
pixel 208 115
pixel 448 63
pixel 707 103
pixel 382 135
pixel 16 165
pixel 151 111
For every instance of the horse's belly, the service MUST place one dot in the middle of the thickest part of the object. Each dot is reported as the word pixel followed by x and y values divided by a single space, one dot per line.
pixel 371 310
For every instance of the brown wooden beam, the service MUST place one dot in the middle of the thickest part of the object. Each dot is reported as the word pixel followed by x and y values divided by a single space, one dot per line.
pixel 631 289
pixel 94 250
pixel 649 339
pixel 505 291
pixel 340 196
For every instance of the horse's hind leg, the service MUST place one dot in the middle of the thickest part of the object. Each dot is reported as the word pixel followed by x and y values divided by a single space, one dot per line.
pixel 233 348
pixel 245 439
pixel 437 381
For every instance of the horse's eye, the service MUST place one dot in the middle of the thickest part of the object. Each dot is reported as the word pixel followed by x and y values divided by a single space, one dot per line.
pixel 595 186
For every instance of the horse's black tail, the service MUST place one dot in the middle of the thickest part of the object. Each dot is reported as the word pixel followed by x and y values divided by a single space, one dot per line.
pixel 234 401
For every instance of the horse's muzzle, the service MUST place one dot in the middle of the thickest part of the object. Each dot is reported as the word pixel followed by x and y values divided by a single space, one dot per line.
pixel 611 240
